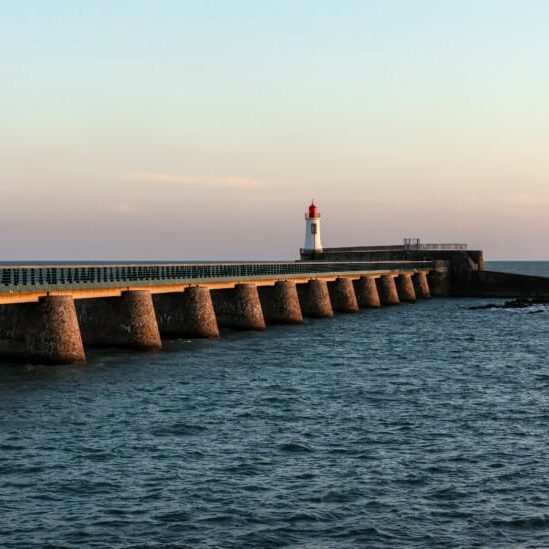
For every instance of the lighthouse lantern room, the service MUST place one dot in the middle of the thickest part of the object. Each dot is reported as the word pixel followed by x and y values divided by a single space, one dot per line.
pixel 312 229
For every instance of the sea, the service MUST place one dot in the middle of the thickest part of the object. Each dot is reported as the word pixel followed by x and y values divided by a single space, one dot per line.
pixel 423 425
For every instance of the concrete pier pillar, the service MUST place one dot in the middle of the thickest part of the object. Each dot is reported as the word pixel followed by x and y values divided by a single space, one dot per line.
pixel 127 321
pixel 440 280
pixel 239 308
pixel 45 332
pixel 280 303
pixel 366 292
pixel 387 289
pixel 186 314
pixel 405 287
pixel 342 296
pixel 314 299
pixel 421 285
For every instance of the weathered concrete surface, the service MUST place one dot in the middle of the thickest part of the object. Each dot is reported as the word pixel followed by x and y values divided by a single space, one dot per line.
pixel 186 314
pixel 440 280
pixel 280 303
pixel 387 289
pixel 451 279
pixel 421 285
pixel 239 308
pixel 366 293
pixel 405 288
pixel 314 299
pixel 128 321
pixel 342 296
pixel 458 260
pixel 45 332
pixel 397 253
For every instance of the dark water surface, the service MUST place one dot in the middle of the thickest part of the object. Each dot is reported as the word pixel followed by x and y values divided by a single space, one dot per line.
pixel 413 426
pixel 532 268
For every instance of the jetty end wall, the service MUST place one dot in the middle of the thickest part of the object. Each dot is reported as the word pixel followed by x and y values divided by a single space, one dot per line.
pixel 505 285
pixel 451 272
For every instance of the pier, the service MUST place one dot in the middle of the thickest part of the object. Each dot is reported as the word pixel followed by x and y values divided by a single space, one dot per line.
pixel 53 313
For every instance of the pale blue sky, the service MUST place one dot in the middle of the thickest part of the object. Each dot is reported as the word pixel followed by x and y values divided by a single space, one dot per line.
pixel 200 130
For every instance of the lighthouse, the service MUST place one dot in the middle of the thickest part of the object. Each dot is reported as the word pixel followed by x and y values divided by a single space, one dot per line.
pixel 312 230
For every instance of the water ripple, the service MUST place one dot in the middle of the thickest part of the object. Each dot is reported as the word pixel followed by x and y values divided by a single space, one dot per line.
pixel 413 426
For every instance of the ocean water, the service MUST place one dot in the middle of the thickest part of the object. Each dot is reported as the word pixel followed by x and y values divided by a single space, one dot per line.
pixel 422 425
pixel 532 268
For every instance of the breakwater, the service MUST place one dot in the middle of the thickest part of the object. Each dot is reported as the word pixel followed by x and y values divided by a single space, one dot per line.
pixel 457 271
pixel 51 314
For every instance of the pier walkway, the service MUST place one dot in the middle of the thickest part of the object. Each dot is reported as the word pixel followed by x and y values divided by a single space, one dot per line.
pixel 27 283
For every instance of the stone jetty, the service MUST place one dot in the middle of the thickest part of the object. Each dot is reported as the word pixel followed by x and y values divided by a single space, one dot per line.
pixel 51 314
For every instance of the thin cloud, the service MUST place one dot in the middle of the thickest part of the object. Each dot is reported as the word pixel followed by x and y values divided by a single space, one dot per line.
pixel 523 199
pixel 123 208
pixel 224 182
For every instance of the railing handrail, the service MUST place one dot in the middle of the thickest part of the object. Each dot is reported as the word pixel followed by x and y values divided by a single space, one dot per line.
pixel 18 278
pixel 391 247
pixel 193 264
pixel 435 246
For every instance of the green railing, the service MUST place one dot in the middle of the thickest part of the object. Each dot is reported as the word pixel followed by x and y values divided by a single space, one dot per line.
pixel 16 279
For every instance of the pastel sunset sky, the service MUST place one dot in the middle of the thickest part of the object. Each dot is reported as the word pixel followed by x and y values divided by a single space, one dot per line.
pixel 181 130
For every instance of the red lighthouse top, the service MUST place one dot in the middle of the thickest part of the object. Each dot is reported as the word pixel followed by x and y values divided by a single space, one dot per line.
pixel 313 211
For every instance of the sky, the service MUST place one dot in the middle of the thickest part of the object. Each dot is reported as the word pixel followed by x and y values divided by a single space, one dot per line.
pixel 201 130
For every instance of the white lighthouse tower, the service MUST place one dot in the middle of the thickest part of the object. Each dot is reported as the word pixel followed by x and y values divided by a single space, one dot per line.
pixel 312 230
